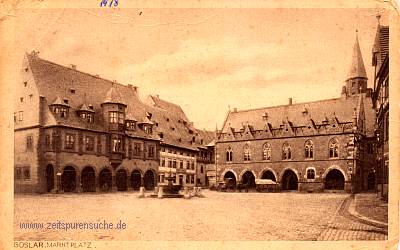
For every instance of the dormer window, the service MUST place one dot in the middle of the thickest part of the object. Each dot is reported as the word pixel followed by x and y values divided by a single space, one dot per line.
pixel 87 116
pixel 60 111
pixel 148 128
pixel 130 125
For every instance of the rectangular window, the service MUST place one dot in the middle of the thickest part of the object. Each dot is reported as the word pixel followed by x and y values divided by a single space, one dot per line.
pixel 130 126
pixel 89 143
pixel 113 117
pixel 181 164
pixel 151 152
pixel 69 141
pixel 89 118
pixel 15 117
pixel 137 147
pixel 162 162
pixel 29 143
pixel 20 116
pixel 174 164
pixel 121 118
pixel 116 145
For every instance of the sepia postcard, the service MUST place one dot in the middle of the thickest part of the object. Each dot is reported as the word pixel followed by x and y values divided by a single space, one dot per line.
pixel 194 124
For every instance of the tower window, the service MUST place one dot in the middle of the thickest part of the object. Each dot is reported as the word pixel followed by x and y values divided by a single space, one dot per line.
pixel 69 141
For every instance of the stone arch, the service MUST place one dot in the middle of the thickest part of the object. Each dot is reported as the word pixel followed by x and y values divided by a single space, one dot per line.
pixel 248 178
pixel 105 179
pixel 136 178
pixel 289 168
pixel 69 178
pixel 49 174
pixel 121 179
pixel 346 178
pixel 149 179
pixel 226 171
pixel 88 179
pixel 289 179
pixel 230 174
pixel 270 170
pixel 335 180
pixel 246 170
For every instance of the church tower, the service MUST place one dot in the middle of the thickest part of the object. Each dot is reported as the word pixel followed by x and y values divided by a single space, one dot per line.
pixel 356 79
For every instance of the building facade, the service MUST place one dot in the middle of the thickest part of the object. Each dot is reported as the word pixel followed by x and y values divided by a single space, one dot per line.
pixel 380 61
pixel 311 146
pixel 77 132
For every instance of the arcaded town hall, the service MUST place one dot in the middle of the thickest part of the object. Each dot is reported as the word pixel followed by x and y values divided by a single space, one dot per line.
pixel 311 146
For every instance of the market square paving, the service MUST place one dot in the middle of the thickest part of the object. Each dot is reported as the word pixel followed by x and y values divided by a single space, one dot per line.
pixel 218 216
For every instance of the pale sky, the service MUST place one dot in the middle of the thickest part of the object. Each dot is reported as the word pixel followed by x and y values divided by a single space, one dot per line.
pixel 207 59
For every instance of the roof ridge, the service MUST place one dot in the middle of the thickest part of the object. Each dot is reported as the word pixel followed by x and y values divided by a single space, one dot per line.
pixel 283 105
pixel 79 71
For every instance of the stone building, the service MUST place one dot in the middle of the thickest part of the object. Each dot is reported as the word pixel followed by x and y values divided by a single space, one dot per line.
pixel 311 146
pixel 380 61
pixel 78 132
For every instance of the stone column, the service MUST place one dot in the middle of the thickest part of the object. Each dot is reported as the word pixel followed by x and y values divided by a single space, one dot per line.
pixel 57 182
pixel 114 182
pixel 96 183
pixel 78 184
pixel 129 187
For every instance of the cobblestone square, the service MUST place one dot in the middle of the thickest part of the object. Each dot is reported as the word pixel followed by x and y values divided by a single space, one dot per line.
pixel 218 216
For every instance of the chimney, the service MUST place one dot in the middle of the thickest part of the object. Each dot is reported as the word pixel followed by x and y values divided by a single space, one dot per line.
pixel 97 75
pixel 73 66
pixel 290 101
pixel 344 92
pixel 136 89
pixel 234 109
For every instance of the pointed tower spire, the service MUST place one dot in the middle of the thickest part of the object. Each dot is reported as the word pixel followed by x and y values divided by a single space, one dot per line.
pixel 357 68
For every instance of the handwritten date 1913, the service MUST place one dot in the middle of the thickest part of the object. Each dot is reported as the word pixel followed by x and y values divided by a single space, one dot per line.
pixel 111 3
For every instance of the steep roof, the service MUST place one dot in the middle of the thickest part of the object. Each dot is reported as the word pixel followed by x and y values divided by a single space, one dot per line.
pixel 300 114
pixel 357 68
pixel 382 41
pixel 57 82
pixel 113 96
pixel 172 107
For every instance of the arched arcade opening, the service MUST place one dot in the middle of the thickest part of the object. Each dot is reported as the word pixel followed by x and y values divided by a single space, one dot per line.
pixel 105 180
pixel 248 179
pixel 121 180
pixel 68 179
pixel 268 174
pixel 149 180
pixel 136 179
pixel 289 180
pixel 88 180
pixel 334 180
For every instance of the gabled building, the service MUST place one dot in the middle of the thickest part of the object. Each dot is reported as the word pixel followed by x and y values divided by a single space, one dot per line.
pixel 311 146
pixel 182 151
pixel 380 61
pixel 77 132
